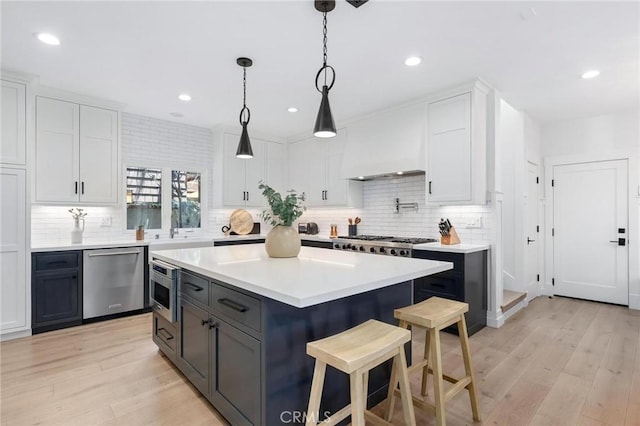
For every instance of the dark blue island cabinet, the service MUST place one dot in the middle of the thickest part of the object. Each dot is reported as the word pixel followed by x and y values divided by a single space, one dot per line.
pixel 246 353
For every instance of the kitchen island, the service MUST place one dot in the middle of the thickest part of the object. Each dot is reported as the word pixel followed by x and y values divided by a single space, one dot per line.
pixel 244 320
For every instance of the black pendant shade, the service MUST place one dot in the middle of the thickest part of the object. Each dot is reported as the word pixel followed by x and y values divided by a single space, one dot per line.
pixel 244 146
pixel 325 126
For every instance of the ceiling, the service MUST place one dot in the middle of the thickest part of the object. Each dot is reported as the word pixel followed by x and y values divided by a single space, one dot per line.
pixel 144 54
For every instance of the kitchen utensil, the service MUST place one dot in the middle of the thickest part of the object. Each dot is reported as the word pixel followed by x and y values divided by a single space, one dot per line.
pixel 350 221
pixel 357 221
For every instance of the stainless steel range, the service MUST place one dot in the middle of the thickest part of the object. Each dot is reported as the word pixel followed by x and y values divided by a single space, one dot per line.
pixel 379 244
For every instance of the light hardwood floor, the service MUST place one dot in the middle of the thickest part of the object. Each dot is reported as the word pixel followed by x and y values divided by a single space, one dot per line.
pixel 557 362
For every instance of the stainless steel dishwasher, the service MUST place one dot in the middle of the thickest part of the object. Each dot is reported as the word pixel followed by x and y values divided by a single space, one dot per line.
pixel 113 281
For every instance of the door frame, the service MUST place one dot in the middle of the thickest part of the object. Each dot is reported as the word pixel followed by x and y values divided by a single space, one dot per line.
pixel 633 205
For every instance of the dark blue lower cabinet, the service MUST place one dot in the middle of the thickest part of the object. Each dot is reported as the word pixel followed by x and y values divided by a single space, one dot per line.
pixel 56 290
pixel 248 354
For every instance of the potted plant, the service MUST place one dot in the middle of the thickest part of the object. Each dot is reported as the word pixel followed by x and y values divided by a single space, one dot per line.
pixel 283 240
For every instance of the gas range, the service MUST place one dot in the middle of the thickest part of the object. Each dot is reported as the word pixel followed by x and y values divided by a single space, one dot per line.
pixel 379 244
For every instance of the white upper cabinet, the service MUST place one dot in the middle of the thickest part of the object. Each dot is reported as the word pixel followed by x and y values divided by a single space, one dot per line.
pixel 76 153
pixel 14 147
pixel 388 142
pixel 242 176
pixel 314 169
pixel 456 149
pixel 276 174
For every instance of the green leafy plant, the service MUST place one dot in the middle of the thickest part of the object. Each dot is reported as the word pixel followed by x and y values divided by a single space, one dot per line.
pixel 284 211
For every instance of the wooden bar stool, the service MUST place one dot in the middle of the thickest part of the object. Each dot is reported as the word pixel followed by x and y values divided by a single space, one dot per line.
pixel 435 314
pixel 355 352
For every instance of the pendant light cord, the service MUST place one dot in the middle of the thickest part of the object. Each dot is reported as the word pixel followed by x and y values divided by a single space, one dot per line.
pixel 244 98
pixel 324 48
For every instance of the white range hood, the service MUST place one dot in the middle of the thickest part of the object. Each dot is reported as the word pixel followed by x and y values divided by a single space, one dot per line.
pixel 386 143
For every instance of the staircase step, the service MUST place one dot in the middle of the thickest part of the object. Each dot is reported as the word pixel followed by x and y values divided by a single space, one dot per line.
pixel 511 298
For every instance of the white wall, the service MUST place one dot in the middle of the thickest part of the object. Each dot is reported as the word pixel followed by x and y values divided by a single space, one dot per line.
pixel 600 137
pixel 512 144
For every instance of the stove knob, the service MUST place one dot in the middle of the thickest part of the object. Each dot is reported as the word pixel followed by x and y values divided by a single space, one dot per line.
pixel 382 250
pixel 403 253
pixel 344 246
pixel 336 246
pixel 361 248
pixel 372 250
pixel 354 248
pixel 393 252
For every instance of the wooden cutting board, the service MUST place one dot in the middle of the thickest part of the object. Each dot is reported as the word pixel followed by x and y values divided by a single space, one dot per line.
pixel 241 222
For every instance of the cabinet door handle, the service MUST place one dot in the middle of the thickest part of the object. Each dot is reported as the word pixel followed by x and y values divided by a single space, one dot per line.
pixel 233 305
pixel 437 285
pixel 195 287
pixel 429 187
pixel 82 187
pixel 204 322
pixel 168 335
pixel 247 195
pixel 326 194
pixel 76 187
pixel 529 240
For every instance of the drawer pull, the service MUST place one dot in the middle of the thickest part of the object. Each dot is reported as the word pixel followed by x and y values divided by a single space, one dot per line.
pixel 233 305
pixel 438 285
pixel 57 262
pixel 168 335
pixel 195 287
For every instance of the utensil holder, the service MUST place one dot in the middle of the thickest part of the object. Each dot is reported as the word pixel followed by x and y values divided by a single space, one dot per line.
pixel 451 239
pixel 353 230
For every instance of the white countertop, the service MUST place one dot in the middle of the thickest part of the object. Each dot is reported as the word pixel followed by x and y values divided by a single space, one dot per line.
pixel 454 248
pixel 153 244
pixel 317 275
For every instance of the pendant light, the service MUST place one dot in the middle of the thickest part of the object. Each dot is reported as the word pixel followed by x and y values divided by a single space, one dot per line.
pixel 244 146
pixel 325 126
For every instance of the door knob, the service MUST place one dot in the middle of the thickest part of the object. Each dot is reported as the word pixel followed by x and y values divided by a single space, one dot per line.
pixel 529 240
pixel 619 241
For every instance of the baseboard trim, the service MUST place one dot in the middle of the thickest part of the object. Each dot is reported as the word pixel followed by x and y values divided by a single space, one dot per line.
pixel 15 335
pixel 634 301
pixel 495 319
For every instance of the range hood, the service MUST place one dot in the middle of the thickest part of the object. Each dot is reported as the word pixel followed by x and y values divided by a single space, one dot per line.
pixel 386 143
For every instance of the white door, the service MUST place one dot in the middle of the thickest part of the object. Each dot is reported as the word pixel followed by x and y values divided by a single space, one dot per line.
pixel 98 155
pixel 532 231
pixel 234 175
pixel 13 145
pixel 13 255
pixel 57 150
pixel 590 223
pixel 449 150
pixel 255 172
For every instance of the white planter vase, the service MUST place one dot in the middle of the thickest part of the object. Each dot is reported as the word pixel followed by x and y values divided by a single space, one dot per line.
pixel 76 232
pixel 282 241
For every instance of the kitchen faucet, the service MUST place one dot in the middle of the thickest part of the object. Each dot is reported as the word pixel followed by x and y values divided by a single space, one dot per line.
pixel 173 231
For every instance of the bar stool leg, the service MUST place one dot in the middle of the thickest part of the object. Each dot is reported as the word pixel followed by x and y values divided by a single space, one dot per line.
pixel 438 385
pixel 391 395
pixel 357 398
pixel 405 387
pixel 425 370
pixel 365 387
pixel 466 355
pixel 313 412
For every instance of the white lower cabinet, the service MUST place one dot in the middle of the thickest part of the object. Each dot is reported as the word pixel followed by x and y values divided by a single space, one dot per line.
pixel 456 149
pixel 13 251
pixel 315 166
pixel 76 153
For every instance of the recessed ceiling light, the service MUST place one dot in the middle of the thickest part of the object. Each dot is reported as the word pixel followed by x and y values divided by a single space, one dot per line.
pixel 399 173
pixel 47 38
pixel 590 74
pixel 412 61
pixel 176 114
pixel 184 97
pixel 361 177
pixel 292 109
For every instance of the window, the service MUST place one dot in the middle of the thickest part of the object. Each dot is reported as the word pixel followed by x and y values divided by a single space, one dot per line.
pixel 144 198
pixel 185 199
